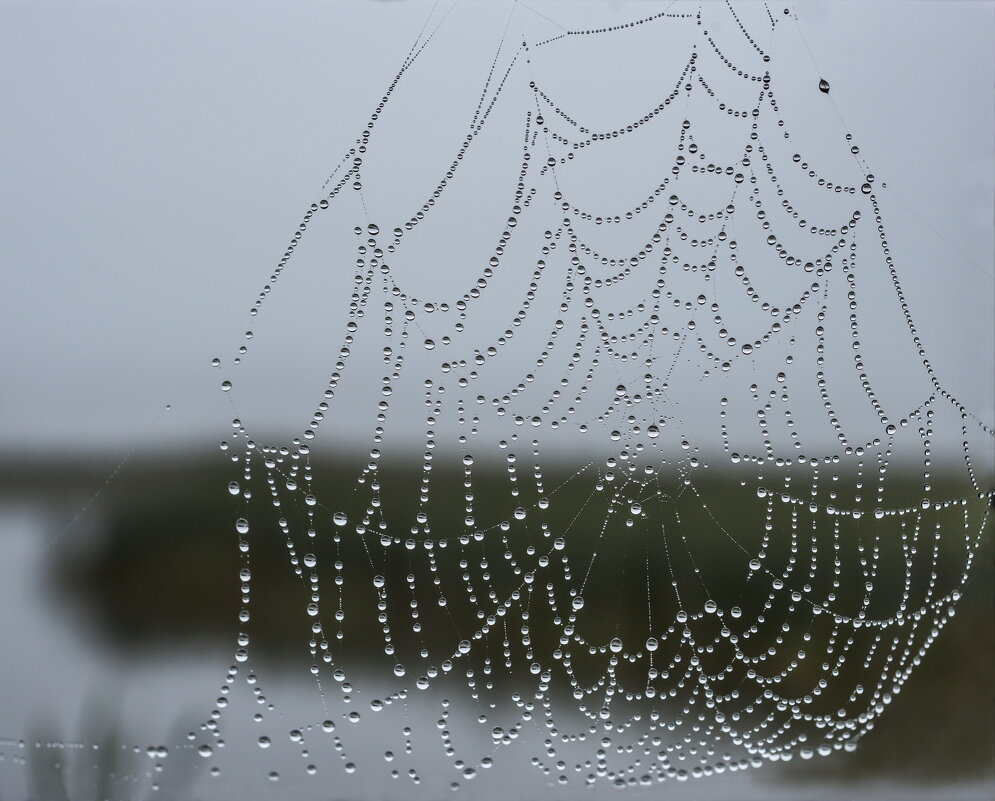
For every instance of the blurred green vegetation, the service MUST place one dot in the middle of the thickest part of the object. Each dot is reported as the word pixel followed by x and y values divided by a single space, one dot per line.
pixel 163 573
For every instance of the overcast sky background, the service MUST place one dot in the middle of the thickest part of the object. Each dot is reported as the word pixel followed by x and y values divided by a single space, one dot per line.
pixel 157 156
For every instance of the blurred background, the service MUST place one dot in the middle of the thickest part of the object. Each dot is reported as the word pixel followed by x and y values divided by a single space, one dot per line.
pixel 156 158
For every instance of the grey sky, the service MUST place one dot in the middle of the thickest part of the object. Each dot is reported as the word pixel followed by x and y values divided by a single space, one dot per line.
pixel 157 156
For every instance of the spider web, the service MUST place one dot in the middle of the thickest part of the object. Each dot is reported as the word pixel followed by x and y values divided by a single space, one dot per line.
pixel 637 419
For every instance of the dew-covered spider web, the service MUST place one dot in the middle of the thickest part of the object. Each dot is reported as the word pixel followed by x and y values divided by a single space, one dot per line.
pixel 621 458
